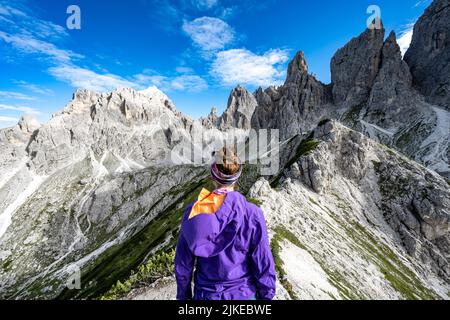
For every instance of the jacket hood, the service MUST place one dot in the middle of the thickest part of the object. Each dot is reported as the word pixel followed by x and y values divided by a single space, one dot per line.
pixel 209 233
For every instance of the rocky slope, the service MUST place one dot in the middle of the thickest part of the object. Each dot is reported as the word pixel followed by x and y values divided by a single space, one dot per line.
pixel 372 91
pixel 429 54
pixel 75 191
pixel 351 219
pixel 101 187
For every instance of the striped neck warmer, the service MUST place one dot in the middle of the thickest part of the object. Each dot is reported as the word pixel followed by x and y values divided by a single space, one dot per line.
pixel 221 191
pixel 224 179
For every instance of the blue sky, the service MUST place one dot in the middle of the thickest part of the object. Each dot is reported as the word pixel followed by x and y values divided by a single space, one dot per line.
pixel 196 51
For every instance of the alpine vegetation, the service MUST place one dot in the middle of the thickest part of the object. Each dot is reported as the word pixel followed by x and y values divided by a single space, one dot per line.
pixel 352 178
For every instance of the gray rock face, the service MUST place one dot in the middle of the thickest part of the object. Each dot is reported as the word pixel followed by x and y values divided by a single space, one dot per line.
pixel 211 120
pixel 355 67
pixel 90 179
pixel 293 106
pixel 28 124
pixel 391 97
pixel 240 108
pixel 74 190
pixel 78 217
pixel 129 124
pixel 429 54
pixel 371 91
pixel 413 201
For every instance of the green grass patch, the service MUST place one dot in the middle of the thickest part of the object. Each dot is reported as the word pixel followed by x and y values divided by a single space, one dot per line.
pixel 255 201
pixel 284 233
pixel 305 148
pixel 117 262
pixel 276 249
pixel 403 279
pixel 159 266
pixel 346 290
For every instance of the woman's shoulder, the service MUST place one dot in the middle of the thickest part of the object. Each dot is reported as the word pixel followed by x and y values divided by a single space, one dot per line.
pixel 252 209
pixel 249 203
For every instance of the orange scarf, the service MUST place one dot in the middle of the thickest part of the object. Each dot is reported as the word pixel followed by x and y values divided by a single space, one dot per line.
pixel 207 203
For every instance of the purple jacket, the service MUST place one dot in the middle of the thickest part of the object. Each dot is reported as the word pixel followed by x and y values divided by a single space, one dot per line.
pixel 230 251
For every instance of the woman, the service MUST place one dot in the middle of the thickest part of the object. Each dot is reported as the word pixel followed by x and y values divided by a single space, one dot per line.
pixel 225 238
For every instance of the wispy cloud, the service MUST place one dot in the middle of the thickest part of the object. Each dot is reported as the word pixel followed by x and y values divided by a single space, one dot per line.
pixel 8 120
pixel 204 4
pixel 405 38
pixel 34 88
pixel 22 109
pixel 15 95
pixel 84 78
pixel 209 34
pixel 165 14
pixel 28 44
pixel 191 83
pixel 20 21
pixel 41 43
pixel 420 3
pixel 184 70
pixel 241 66
pixel 64 63
pixel 180 81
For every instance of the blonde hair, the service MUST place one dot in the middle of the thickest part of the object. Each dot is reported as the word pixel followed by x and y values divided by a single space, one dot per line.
pixel 228 161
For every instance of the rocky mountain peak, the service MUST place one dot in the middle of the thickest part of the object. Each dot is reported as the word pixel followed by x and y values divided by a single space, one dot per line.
pixel 211 120
pixel 82 99
pixel 240 108
pixel 391 97
pixel 297 67
pixel 355 66
pixel 28 124
pixel 429 53
pixel 88 185
pixel 391 47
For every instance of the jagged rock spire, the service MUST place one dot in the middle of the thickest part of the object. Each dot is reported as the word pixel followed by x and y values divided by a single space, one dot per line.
pixel 429 53
pixel 355 66
pixel 297 67
pixel 240 108
pixel 28 124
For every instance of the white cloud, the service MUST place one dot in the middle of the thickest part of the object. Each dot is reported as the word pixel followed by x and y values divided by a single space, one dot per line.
pixel 8 120
pixel 62 63
pixel 28 44
pixel 209 34
pixel 241 66
pixel 190 83
pixel 21 22
pixel 10 11
pixel 405 38
pixel 227 12
pixel 34 88
pixel 178 82
pixel 23 109
pixel 84 78
pixel 184 70
pixel 421 3
pixel 15 95
pixel 146 80
pixel 204 4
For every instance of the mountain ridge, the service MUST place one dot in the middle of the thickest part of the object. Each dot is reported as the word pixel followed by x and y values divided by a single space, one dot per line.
pixel 96 189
